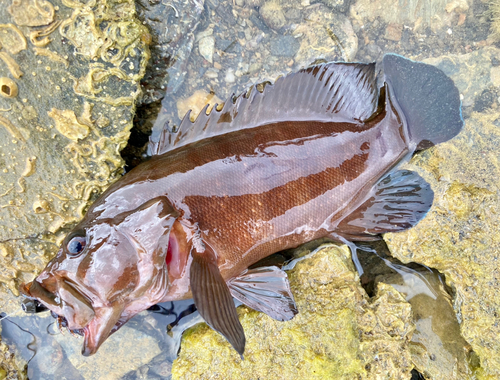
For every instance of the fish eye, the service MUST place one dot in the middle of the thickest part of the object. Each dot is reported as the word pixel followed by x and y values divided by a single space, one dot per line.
pixel 76 245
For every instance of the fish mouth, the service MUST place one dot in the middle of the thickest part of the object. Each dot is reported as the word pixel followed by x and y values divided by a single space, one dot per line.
pixel 72 308
pixel 73 311
pixel 35 290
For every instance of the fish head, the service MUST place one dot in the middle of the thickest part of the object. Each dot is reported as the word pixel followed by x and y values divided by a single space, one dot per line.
pixel 106 271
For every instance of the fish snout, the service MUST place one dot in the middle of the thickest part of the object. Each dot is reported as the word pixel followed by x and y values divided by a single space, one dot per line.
pixel 35 290
pixel 67 302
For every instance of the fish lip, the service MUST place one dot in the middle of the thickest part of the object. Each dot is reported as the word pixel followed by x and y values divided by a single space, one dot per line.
pixel 35 290
pixel 54 301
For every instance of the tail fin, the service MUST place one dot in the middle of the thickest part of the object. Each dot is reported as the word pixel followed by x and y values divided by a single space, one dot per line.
pixel 427 97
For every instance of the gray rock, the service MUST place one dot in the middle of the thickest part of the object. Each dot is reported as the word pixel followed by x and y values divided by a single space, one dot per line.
pixel 206 48
pixel 341 6
pixel 273 15
pixel 325 35
pixel 171 24
pixel 284 46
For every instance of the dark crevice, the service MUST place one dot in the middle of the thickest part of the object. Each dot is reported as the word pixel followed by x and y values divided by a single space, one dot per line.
pixel 415 375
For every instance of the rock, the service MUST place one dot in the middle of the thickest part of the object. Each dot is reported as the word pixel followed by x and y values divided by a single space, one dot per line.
pixel 206 48
pixel 339 6
pixel 172 24
pixel 230 78
pixel 435 14
pixel 338 333
pixel 59 355
pixel 12 366
pixel 254 3
pixel 437 347
pixel 459 236
pixel 393 32
pixel 284 46
pixel 325 35
pixel 61 135
pixel 273 15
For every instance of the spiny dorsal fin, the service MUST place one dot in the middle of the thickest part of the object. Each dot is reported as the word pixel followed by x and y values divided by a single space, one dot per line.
pixel 343 92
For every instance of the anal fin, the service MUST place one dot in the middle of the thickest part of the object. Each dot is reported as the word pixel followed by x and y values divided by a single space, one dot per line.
pixel 265 289
pixel 213 300
pixel 397 202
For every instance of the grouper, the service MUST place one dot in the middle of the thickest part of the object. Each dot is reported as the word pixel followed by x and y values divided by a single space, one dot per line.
pixel 313 155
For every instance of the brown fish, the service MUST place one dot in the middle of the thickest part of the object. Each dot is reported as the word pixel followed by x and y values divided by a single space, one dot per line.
pixel 310 156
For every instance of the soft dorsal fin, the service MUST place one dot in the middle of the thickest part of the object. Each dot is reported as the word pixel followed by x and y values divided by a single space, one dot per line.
pixel 343 92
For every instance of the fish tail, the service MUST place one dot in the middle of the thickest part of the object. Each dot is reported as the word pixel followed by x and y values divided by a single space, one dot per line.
pixel 426 97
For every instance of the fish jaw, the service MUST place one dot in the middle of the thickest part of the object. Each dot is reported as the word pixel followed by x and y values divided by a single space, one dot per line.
pixel 74 307
pixel 97 320
pixel 100 327
pixel 120 272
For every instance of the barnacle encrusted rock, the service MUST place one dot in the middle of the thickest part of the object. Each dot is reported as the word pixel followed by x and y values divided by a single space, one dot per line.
pixel 73 71
pixel 460 235
pixel 339 333
pixel 12 367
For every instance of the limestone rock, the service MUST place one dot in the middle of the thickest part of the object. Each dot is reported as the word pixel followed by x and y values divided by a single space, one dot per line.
pixel 339 332
pixel 325 35
pixel 459 236
pixel 76 69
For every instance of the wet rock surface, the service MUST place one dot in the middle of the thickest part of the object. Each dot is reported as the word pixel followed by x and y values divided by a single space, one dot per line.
pixel 438 350
pixel 12 366
pixel 172 25
pixel 459 236
pixel 338 333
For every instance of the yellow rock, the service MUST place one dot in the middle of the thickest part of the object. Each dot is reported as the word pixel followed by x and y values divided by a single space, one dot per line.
pixel 339 332
pixel 459 236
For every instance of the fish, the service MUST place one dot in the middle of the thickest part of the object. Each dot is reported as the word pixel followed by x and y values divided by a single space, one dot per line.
pixel 313 155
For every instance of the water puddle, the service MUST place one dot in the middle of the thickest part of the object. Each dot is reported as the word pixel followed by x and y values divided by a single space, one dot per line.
pixel 437 344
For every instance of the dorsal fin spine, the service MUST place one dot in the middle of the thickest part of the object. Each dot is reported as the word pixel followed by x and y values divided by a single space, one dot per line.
pixel 337 92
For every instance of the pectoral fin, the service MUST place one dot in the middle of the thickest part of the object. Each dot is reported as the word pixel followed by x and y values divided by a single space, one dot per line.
pixel 397 202
pixel 213 300
pixel 265 289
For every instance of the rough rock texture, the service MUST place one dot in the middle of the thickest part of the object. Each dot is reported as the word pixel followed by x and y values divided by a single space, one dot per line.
pixel 76 70
pixel 415 13
pixel 459 236
pixel 339 332
pixel 438 350
pixel 11 366
pixel 325 35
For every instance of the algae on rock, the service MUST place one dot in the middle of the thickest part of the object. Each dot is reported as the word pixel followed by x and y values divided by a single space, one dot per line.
pixel 12 367
pixel 75 69
pixel 459 236
pixel 339 332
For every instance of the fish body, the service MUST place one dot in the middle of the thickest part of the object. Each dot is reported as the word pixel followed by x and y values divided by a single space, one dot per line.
pixel 313 155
